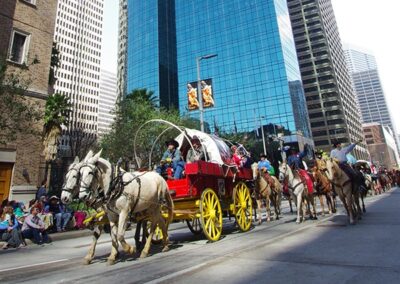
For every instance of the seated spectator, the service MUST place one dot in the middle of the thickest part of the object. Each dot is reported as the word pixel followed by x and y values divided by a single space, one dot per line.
pixel 247 160
pixel 196 153
pixel 59 212
pixel 33 227
pixel 9 229
pixel 78 207
pixel 237 159
pixel 172 158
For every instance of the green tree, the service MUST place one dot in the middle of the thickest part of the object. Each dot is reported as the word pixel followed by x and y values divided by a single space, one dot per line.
pixel 131 113
pixel 57 111
pixel 17 114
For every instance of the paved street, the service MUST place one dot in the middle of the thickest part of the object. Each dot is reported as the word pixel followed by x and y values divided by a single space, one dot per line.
pixel 327 250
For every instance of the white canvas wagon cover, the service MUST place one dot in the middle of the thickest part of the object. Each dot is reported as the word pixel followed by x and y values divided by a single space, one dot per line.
pixel 217 150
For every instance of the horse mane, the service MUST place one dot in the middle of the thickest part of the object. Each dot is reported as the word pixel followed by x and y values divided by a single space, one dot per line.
pixel 106 168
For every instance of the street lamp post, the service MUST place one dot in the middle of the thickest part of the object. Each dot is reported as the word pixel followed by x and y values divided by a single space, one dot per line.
pixel 198 59
pixel 262 133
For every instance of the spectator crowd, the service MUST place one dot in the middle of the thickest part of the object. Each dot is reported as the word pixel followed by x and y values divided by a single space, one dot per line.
pixel 42 216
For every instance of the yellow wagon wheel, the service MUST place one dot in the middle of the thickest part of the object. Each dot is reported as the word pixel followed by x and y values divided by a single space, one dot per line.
pixel 243 208
pixel 194 225
pixel 211 215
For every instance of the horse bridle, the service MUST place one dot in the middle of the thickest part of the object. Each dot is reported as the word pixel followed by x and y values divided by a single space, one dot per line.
pixel 284 174
pixel 86 187
pixel 77 176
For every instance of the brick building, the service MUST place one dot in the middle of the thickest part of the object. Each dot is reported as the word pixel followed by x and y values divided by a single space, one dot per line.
pixel 27 30
pixel 381 145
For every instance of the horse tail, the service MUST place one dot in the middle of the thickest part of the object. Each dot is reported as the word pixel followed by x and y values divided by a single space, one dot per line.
pixel 170 206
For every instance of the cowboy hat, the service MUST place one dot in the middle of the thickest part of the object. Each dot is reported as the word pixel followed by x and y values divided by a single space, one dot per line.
pixel 172 142
pixel 336 142
pixel 53 197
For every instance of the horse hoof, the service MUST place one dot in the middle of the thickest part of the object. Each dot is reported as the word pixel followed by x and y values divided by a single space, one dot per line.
pixel 315 218
pixel 87 261
pixel 132 250
pixel 297 221
pixel 268 219
pixel 259 223
pixel 143 254
pixel 110 261
pixel 165 249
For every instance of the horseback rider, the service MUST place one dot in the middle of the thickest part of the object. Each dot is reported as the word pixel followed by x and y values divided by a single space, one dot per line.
pixel 295 161
pixel 274 154
pixel 265 165
pixel 172 158
pixel 340 154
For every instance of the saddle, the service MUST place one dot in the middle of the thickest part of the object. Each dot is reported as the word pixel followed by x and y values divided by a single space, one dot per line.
pixel 269 180
pixel 307 180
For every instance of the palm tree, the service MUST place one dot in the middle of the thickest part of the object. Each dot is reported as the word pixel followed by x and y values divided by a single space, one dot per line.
pixel 143 95
pixel 57 111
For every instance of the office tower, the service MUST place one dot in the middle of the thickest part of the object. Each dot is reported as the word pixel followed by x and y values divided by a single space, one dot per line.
pixel 78 36
pixel 368 87
pixel 330 98
pixel 358 60
pixel 107 100
pixel 255 75
pixel 381 145
pixel 151 49
pixel 122 45
pixel 26 39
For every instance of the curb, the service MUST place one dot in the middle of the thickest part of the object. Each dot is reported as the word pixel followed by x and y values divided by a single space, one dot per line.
pixel 65 235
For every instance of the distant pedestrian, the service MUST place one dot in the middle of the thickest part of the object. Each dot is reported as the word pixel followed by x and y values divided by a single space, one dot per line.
pixel 42 191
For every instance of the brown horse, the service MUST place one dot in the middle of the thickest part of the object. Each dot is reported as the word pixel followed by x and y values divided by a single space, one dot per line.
pixel 343 187
pixel 269 191
pixel 323 186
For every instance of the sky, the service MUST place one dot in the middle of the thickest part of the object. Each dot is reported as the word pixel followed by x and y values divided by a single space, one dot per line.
pixel 370 24
pixel 109 49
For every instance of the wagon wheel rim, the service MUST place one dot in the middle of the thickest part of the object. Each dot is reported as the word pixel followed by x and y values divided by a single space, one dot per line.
pixel 243 206
pixel 194 225
pixel 211 215
pixel 157 236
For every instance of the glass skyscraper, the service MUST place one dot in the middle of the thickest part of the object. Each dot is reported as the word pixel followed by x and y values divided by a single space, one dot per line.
pixel 255 77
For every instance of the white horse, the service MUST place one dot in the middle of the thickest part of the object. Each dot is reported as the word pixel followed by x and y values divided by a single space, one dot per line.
pixel 70 191
pixel 297 189
pixel 140 194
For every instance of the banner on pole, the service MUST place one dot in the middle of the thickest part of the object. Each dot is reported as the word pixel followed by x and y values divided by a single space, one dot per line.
pixel 206 93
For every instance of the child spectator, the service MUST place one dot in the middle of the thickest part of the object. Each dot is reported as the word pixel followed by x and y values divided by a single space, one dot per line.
pixel 34 227
pixel 9 229
pixel 78 207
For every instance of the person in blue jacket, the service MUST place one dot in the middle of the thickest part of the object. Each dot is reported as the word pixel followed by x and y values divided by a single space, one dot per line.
pixel 265 163
pixel 172 158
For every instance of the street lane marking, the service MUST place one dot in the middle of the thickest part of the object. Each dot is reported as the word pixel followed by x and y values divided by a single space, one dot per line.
pixel 178 273
pixel 33 265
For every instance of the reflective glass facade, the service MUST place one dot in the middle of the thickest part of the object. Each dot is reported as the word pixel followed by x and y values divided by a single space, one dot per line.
pixel 255 74
pixel 151 49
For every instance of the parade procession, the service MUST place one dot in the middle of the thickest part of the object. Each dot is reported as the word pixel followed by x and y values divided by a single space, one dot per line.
pixel 199 141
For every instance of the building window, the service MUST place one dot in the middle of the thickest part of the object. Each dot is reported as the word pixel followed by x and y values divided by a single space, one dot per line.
pixel 32 2
pixel 19 47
